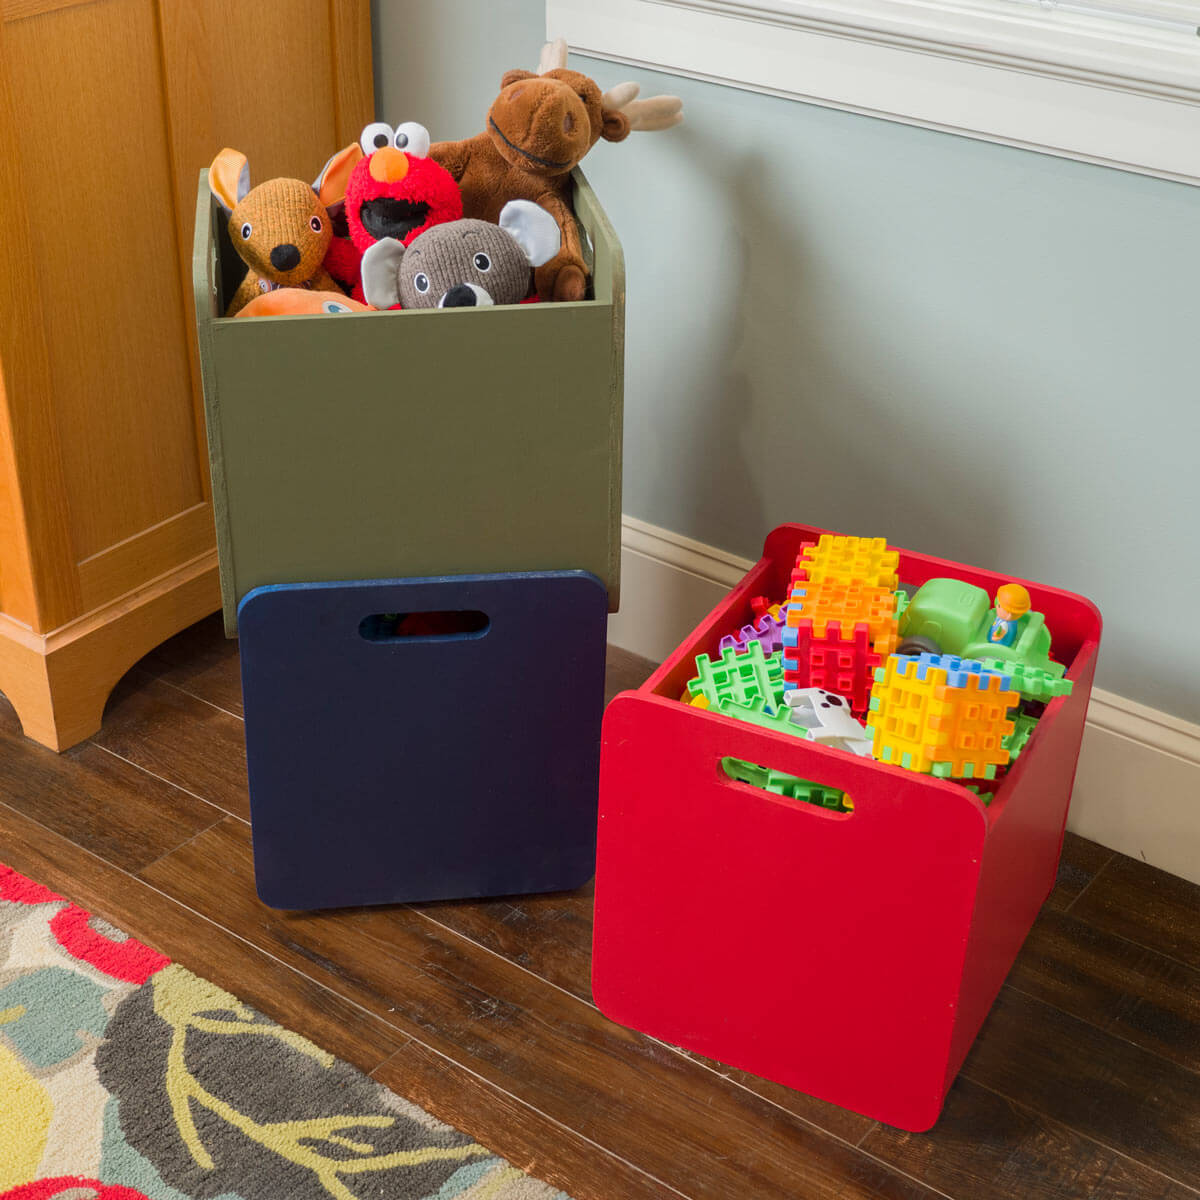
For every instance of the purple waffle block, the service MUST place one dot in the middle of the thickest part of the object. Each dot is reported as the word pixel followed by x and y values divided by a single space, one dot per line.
pixel 768 631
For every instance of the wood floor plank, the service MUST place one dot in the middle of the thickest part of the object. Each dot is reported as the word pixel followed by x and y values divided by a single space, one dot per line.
pixel 287 996
pixel 987 1148
pixel 624 671
pixel 1114 984
pixel 1093 1082
pixel 1079 864
pixel 100 802
pixel 526 1137
pixel 1147 906
pixel 665 1114
pixel 203 662
pixel 179 738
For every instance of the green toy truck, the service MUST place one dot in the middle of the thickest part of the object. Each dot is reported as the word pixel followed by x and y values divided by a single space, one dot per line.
pixel 947 616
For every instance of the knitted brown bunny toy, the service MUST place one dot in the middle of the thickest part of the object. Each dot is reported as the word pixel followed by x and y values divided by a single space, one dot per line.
pixel 538 129
pixel 281 228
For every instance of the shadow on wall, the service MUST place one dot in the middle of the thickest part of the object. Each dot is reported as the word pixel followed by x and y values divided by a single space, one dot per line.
pixel 819 380
pixel 724 445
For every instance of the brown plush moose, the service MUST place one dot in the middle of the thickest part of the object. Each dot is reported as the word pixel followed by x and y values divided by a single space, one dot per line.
pixel 538 128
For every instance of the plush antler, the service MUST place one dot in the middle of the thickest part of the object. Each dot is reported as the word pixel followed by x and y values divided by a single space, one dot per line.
pixel 554 56
pixel 656 112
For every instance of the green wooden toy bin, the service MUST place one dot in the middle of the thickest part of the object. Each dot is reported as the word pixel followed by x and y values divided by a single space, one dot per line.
pixel 438 442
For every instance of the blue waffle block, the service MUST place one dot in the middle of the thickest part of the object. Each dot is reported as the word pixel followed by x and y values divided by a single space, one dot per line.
pixel 957 669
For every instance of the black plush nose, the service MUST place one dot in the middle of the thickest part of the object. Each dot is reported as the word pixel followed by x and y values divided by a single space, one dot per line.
pixel 285 257
pixel 460 296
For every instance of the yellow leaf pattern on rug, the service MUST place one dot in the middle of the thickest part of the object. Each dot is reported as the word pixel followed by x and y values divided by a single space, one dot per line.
pixel 184 1002
pixel 25 1111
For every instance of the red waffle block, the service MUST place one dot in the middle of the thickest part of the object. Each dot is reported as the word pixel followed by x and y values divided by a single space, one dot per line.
pixel 845 665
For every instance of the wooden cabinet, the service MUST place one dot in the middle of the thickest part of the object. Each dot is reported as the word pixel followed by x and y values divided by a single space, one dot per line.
pixel 108 111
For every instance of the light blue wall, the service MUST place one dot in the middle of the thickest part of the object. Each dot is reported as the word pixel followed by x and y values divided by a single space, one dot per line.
pixel 983 353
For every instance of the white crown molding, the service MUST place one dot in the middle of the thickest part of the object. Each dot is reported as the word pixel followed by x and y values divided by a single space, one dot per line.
pixel 1139 769
pixel 1064 85
pixel 1120 56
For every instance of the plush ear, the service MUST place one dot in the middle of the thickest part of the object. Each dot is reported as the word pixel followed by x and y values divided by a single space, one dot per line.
pixel 615 127
pixel 381 273
pixel 229 178
pixel 515 76
pixel 533 229
pixel 330 184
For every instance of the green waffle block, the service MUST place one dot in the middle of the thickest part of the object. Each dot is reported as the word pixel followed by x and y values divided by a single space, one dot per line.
pixel 742 677
pixel 756 714
pixel 780 783
pixel 902 599
pixel 1032 682
pixel 986 797
pixel 1014 742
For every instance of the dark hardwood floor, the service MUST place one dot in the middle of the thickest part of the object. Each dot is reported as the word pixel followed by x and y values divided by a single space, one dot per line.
pixel 1085 1081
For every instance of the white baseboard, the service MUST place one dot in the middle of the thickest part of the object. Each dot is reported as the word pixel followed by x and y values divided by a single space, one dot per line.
pixel 1138 782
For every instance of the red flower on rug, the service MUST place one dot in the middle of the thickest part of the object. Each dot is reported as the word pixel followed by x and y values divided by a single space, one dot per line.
pixel 20 890
pixel 128 960
pixel 78 1188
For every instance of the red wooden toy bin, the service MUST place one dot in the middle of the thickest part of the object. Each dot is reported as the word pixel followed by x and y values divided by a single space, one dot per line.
pixel 852 956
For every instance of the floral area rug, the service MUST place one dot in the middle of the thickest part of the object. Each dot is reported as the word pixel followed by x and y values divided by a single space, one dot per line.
pixel 123 1076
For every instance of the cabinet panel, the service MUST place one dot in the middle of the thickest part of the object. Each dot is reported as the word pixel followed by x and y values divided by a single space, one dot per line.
pixel 92 140
pixel 108 111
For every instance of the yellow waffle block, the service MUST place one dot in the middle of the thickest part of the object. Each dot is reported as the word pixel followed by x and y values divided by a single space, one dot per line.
pixel 849 560
pixel 925 724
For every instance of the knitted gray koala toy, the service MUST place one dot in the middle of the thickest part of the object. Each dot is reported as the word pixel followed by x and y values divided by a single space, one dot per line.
pixel 462 263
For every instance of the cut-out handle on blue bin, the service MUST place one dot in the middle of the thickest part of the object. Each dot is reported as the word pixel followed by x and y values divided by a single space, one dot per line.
pixel 454 625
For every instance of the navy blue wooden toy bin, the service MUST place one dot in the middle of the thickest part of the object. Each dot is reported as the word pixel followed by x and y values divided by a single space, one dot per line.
pixel 387 769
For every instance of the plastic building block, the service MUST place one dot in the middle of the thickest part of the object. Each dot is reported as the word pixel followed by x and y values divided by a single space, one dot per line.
pixel 958 669
pixel 834 559
pixel 1032 682
pixel 902 599
pixel 1023 725
pixel 985 796
pixel 757 713
pixel 742 678
pixel 783 784
pixel 768 630
pixel 941 715
pixel 836 635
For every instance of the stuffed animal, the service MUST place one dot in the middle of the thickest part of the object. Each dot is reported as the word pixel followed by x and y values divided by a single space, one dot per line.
pixel 281 229
pixel 538 129
pixel 463 263
pixel 395 191
pixel 300 302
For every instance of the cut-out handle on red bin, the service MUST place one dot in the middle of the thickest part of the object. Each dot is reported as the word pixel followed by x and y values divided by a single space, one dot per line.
pixel 454 625
pixel 782 783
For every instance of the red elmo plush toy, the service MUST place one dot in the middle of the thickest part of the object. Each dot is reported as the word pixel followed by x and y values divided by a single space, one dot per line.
pixel 396 190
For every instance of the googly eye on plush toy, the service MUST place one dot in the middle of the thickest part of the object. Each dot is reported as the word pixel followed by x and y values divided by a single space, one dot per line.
pixel 463 264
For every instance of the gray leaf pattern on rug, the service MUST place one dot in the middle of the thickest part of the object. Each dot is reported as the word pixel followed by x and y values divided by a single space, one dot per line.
pixel 220 1099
